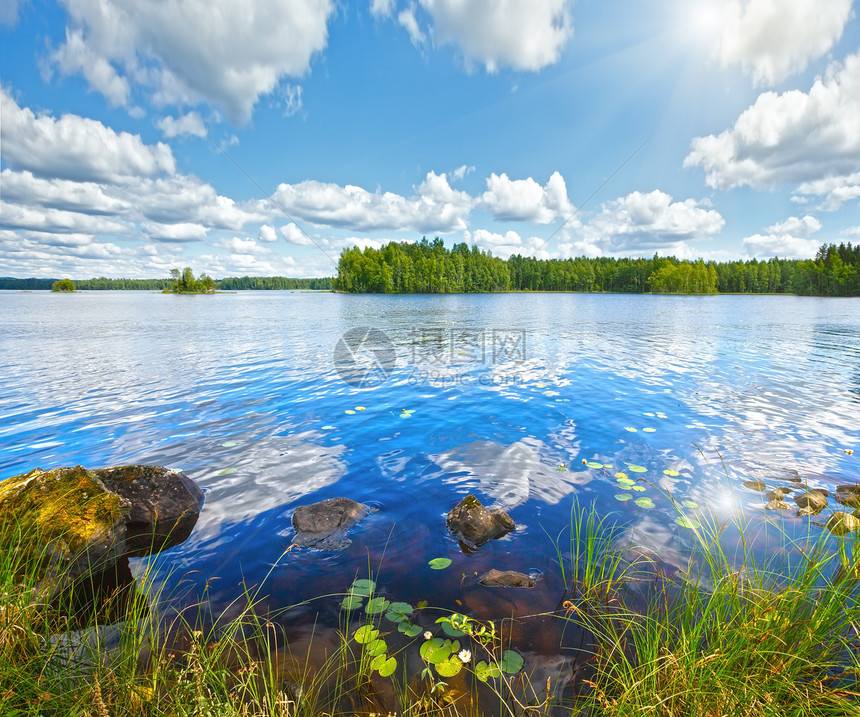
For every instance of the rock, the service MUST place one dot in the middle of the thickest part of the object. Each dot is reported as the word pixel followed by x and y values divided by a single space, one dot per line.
pixel 474 525
pixel 755 485
pixel 842 523
pixel 324 525
pixel 777 494
pixel 84 520
pixel 812 502
pixel 774 504
pixel 848 495
pixel 506 579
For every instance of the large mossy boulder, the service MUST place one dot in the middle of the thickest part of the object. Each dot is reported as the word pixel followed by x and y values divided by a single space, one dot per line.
pixel 474 525
pixel 79 521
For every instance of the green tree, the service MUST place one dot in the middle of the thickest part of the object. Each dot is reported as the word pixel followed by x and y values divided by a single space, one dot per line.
pixel 63 286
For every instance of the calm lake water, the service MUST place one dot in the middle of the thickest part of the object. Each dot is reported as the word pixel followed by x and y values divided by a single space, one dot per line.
pixel 257 396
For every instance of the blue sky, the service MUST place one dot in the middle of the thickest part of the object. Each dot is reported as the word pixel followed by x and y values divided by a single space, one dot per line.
pixel 261 137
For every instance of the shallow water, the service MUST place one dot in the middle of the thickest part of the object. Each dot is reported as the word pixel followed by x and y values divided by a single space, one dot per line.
pixel 248 393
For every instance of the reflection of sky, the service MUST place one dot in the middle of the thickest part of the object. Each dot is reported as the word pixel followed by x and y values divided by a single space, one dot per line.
pixel 768 384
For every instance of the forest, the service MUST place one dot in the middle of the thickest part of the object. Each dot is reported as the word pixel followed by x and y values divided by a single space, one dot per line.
pixel 429 267
pixel 227 284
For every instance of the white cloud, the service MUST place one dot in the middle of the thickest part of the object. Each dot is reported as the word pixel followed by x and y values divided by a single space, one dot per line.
pixel 9 11
pixel 406 18
pixel 525 199
pixel 190 124
pixel 807 226
pixel 76 57
pixel 74 147
pixel 436 208
pixel 174 232
pixel 16 216
pixel 292 99
pixel 294 235
pixel 522 34
pixel 789 137
pixel 382 8
pixel 267 234
pixel 784 246
pixel 641 223
pixel 239 245
pixel 461 171
pixel 835 190
pixel 222 52
pixel 84 197
pixel 773 39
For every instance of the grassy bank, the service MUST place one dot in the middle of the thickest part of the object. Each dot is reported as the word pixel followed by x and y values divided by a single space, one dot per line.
pixel 728 637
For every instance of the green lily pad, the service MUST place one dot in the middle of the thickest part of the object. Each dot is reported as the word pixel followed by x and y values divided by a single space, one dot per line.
pixel 376 647
pixel 484 672
pixel 592 464
pixel 384 666
pixel 228 444
pixel 608 465
pixel 638 488
pixel 435 650
pixel 451 631
pixel 227 472
pixel 637 469
pixel 691 504
pixel 365 634
pixel 686 522
pixel 376 606
pixel 630 428
pixel 439 563
pixel 623 497
pixel 409 629
pixel 352 602
pixel 398 611
pixel 621 475
pixel 511 662
pixel 644 502
pixel 449 667
pixel 671 472
pixel 363 587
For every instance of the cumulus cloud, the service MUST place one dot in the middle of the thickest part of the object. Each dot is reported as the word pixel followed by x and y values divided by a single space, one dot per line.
pixel 174 232
pixel 190 123
pixel 789 137
pixel 525 200
pixel 294 235
pixel 169 48
pixel 773 39
pixel 436 207
pixel 807 226
pixel 643 223
pixel 74 147
pixel 521 34
pixel 84 197
pixel 835 190
pixel 267 234
pixel 784 246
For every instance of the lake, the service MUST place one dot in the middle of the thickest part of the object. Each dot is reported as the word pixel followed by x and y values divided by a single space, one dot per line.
pixel 272 400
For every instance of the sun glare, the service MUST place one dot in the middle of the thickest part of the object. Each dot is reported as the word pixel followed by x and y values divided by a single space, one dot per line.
pixel 702 21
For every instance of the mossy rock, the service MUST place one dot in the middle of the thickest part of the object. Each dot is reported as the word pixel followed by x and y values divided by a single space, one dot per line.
pixel 80 520
pixel 474 525
pixel 848 495
pixel 812 502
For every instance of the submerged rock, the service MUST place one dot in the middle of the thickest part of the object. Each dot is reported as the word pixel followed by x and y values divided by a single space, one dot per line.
pixel 474 525
pixel 775 504
pixel 324 525
pixel 506 579
pixel 777 494
pixel 848 495
pixel 80 520
pixel 755 485
pixel 812 502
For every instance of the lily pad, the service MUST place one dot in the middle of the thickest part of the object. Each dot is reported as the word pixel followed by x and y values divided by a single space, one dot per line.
pixel 328 428
pixel 592 464
pixel 449 667
pixel 365 634
pixel 637 469
pixel 621 475
pixel 376 606
pixel 352 602
pixel 362 587
pixel 376 647
pixel 435 650
pixel 228 444
pixel 648 414
pixel 511 662
pixel 623 497
pixel 349 410
pixel 649 430
pixel 360 408
pixel 630 428
pixel 686 522
pixel 409 629
pixel 691 504
pixel 385 667
pixel 439 563
pixel 451 631
pixel 671 472
pixel 398 611
pixel 644 502
pixel 638 488
pixel 227 472
pixel 484 671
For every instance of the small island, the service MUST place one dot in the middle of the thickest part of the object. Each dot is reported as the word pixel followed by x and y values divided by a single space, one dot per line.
pixel 63 286
pixel 184 283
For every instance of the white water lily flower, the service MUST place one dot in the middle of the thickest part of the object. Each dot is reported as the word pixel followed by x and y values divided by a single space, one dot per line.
pixel 428 635
pixel 464 655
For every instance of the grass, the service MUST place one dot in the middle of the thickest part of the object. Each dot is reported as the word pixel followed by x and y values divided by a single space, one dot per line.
pixel 736 637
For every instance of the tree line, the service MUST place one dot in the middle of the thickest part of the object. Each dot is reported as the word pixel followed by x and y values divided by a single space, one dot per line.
pixel 429 267
pixel 227 284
